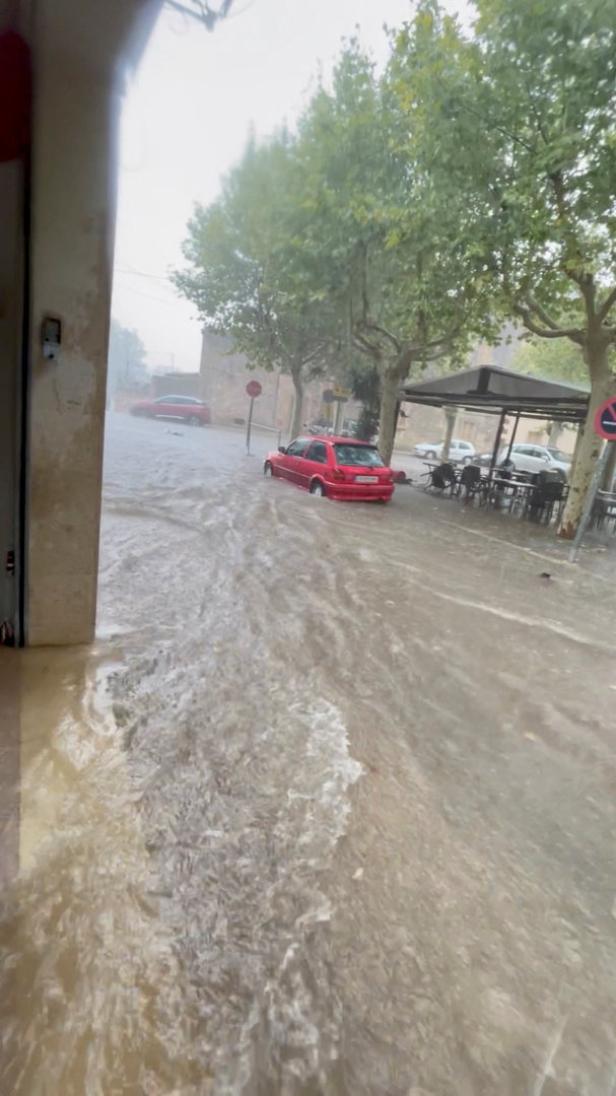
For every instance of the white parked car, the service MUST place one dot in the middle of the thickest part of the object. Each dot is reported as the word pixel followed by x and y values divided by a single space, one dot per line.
pixel 537 458
pixel 458 450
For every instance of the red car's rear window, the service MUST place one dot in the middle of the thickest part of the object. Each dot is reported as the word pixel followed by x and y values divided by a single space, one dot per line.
pixel 364 455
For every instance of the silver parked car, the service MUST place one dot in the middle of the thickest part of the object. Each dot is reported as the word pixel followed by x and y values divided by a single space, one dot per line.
pixel 526 457
pixel 458 450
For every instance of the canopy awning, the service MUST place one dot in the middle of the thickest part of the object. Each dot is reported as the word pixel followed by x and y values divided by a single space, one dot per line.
pixel 497 391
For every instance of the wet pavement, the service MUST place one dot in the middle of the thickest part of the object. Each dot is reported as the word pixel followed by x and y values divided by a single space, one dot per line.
pixel 328 808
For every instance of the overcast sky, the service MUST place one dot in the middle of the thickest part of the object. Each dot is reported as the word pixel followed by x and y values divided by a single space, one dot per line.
pixel 186 116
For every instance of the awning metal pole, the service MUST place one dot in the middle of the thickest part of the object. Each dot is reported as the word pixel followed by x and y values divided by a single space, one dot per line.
pixel 513 434
pixel 497 441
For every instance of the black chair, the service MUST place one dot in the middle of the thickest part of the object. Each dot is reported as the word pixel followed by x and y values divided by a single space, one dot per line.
pixel 604 512
pixel 600 511
pixel 470 481
pixel 499 493
pixel 448 473
pixel 546 494
pixel 442 477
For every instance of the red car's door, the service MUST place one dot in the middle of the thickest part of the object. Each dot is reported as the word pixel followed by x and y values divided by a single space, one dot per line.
pixel 190 408
pixel 314 463
pixel 181 409
pixel 289 465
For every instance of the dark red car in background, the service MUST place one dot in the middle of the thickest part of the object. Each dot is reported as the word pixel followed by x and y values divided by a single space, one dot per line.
pixel 187 408
pixel 340 468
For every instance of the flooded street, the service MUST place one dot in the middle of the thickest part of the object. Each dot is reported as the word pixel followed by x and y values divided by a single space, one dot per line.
pixel 329 808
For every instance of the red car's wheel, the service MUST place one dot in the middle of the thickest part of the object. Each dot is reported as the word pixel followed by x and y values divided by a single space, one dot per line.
pixel 193 420
pixel 267 469
pixel 317 488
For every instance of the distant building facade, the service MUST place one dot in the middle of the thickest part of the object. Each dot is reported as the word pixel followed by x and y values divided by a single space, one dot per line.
pixel 224 374
pixel 175 384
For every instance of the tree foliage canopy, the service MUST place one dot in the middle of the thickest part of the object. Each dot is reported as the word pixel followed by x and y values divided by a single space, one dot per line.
pixel 126 358
pixel 245 270
pixel 520 118
pixel 473 181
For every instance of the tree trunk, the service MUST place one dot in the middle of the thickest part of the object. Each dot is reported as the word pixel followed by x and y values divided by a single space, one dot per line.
pixel 610 468
pixel 588 449
pixel 388 413
pixel 450 422
pixel 576 447
pixel 556 429
pixel 392 374
pixel 296 422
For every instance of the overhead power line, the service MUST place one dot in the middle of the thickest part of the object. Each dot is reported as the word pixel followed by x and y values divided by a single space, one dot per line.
pixel 141 273
pixel 150 296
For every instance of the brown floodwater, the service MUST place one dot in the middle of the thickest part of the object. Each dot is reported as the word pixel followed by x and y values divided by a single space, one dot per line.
pixel 328 808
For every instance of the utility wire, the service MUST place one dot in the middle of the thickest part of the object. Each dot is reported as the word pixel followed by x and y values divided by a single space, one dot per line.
pixel 150 296
pixel 141 273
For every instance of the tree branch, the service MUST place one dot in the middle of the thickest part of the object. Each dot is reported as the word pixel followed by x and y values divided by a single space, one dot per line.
pixel 382 331
pixel 541 313
pixel 365 345
pixel 315 353
pixel 444 341
pixel 580 277
pixel 501 129
pixel 434 355
pixel 525 312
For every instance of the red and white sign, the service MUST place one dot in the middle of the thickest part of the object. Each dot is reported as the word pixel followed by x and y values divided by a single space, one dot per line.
pixel 253 389
pixel 605 420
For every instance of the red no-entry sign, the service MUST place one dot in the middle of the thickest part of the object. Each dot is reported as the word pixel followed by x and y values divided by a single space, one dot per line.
pixel 605 420
pixel 253 389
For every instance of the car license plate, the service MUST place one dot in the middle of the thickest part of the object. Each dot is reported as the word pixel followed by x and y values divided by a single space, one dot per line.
pixel 366 479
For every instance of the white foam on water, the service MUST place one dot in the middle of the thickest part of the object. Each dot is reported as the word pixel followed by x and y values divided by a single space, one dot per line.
pixel 246 795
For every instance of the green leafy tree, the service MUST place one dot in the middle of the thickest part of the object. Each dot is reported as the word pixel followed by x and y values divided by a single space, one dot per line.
pixel 552 359
pixel 246 274
pixel 363 379
pixel 520 119
pixel 382 241
pixel 126 359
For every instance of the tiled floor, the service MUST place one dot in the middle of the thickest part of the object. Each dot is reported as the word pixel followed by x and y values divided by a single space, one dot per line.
pixel 9 764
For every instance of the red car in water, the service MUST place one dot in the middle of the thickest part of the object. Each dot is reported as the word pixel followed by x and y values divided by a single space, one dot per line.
pixel 339 468
pixel 186 408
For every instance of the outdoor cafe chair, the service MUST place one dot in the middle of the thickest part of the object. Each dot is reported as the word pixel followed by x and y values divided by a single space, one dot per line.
pixel 441 478
pixel 604 510
pixel 547 493
pixel 470 482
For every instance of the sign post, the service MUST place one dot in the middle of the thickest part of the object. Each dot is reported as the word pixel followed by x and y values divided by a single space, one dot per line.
pixel 605 427
pixel 253 389
pixel 339 396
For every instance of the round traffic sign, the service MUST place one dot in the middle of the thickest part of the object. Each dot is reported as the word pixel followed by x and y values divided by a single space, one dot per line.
pixel 253 389
pixel 605 420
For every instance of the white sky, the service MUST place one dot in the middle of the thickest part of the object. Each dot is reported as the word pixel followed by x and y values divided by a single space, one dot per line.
pixel 185 121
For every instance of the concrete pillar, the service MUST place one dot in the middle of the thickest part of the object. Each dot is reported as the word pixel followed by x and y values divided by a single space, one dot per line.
pixel 77 50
